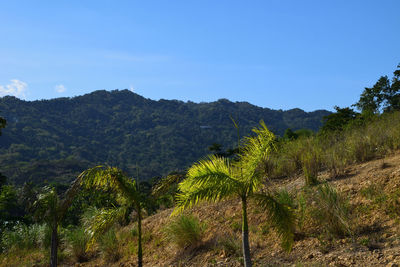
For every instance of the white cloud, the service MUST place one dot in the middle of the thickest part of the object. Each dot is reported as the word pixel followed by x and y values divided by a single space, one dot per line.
pixel 131 88
pixel 16 88
pixel 60 88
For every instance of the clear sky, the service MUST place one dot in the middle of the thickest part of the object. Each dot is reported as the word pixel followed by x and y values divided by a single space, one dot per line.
pixel 277 54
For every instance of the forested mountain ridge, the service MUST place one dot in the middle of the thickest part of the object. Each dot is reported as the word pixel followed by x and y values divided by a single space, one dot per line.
pixel 55 139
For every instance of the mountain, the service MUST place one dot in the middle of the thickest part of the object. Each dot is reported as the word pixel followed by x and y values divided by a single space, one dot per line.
pixel 53 140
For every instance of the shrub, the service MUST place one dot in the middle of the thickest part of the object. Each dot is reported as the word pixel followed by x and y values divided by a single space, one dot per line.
pixel 184 231
pixel 331 211
pixel 311 161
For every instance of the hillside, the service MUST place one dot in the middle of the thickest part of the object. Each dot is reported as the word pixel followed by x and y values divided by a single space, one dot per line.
pixel 372 189
pixel 372 192
pixel 53 140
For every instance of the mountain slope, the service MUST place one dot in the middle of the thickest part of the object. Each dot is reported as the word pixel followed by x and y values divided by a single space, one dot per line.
pixel 124 129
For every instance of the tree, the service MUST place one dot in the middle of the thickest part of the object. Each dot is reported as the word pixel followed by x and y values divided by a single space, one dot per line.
pixel 218 178
pixel 383 96
pixel 102 177
pixel 50 208
pixel 337 121
pixel 290 135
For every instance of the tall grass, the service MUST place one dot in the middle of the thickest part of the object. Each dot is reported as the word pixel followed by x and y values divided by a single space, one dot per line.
pixel 109 246
pixel 334 151
pixel 23 237
pixel 77 240
pixel 184 231
pixel 332 211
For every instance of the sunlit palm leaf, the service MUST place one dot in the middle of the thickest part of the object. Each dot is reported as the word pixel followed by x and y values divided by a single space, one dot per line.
pixel 111 178
pixel 101 222
pixel 214 170
pixel 255 151
pixel 164 185
pixel 208 180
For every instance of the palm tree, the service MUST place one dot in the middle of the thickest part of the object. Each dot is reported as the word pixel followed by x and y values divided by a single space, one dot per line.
pixel 217 178
pixel 113 178
pixel 49 208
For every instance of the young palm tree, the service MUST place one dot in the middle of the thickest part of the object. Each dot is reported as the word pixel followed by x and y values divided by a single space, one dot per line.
pixel 217 178
pixel 113 178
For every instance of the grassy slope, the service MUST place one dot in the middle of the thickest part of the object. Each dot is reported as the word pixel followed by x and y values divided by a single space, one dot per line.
pixel 376 239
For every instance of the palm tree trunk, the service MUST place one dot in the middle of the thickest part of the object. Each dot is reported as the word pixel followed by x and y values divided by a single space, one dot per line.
pixel 140 253
pixel 54 246
pixel 245 234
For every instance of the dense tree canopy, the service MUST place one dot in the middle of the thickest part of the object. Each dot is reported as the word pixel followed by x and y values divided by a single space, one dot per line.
pixel 383 96
pixel 56 139
pixel 338 120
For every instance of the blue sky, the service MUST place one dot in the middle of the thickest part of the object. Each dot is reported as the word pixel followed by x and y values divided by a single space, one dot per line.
pixel 277 54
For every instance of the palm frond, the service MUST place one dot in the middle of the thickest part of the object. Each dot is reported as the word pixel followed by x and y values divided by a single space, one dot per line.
pixel 69 196
pixel 209 193
pixel 209 180
pixel 164 185
pixel 255 151
pixel 213 170
pixel 110 178
pixel 281 216
pixel 102 221
pixel 46 206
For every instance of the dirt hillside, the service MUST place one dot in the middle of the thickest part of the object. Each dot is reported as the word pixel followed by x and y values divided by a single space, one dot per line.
pixel 372 191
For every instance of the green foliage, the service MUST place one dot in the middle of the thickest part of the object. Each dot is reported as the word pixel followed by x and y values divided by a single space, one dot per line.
pixel 334 151
pixel 217 178
pixel 123 129
pixel 10 209
pixel 109 246
pixel 383 96
pixel 331 211
pixel 311 162
pixel 339 120
pixel 22 236
pixel 184 231
pixel 77 239
pixel 100 222
pixel 128 193
pixel 281 215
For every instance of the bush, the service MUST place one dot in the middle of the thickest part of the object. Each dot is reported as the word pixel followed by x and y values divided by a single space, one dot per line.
pixel 331 211
pixel 185 231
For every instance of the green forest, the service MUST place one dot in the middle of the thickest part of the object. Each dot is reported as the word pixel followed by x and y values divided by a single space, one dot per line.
pixel 54 140
pixel 118 143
